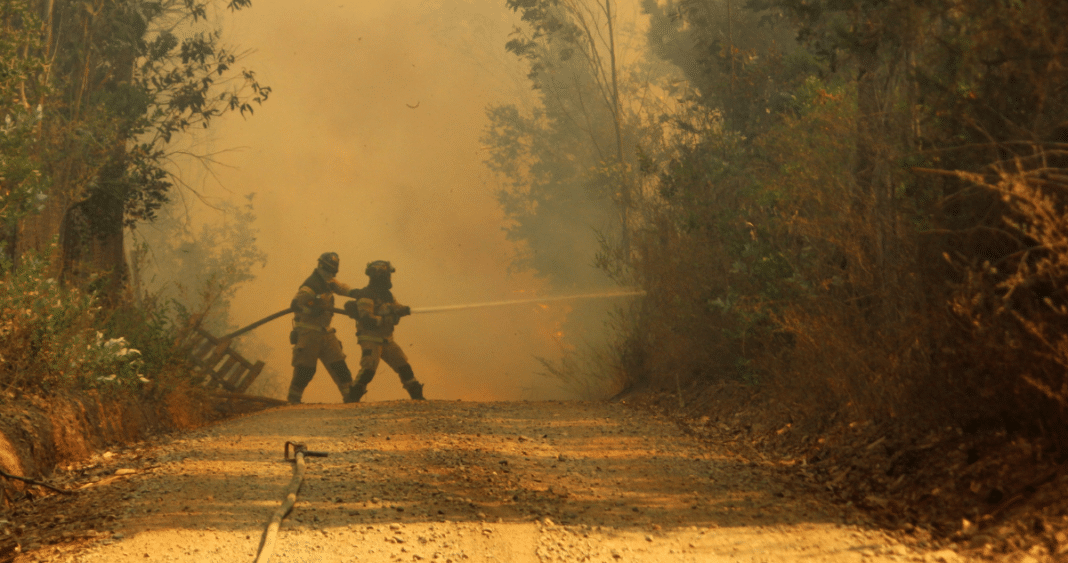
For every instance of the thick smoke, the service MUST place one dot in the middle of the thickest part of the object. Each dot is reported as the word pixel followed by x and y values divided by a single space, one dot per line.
pixel 368 147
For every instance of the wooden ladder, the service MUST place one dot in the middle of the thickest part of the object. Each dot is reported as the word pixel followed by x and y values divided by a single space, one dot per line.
pixel 222 366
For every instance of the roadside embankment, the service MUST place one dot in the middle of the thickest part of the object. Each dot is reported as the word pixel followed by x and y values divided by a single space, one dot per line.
pixel 38 434
pixel 993 491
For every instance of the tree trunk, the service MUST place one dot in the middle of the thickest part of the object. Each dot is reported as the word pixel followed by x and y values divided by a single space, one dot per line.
pixel 94 248
pixel 868 120
pixel 36 232
pixel 874 184
pixel 625 188
pixel 93 241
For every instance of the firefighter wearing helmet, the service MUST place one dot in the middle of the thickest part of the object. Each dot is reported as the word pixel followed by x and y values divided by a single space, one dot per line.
pixel 312 338
pixel 376 313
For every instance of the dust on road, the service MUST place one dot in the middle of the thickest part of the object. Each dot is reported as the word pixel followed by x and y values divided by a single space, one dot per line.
pixel 449 482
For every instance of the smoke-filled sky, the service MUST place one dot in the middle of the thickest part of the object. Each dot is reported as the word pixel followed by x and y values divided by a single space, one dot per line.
pixel 369 147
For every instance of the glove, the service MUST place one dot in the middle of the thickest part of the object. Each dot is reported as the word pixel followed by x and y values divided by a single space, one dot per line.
pixel 351 309
pixel 402 310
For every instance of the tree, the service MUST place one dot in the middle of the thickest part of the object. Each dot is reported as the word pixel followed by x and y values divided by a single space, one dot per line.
pixel 23 186
pixel 123 80
pixel 569 164
pixel 199 270
pixel 897 220
pixel 742 63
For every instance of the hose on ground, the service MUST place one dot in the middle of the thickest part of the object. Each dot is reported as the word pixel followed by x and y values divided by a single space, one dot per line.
pixel 270 535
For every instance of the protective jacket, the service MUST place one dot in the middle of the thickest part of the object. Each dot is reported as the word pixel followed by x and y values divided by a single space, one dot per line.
pixel 377 312
pixel 313 304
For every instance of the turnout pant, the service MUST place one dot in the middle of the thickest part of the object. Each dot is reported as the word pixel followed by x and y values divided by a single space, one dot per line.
pixel 313 346
pixel 387 350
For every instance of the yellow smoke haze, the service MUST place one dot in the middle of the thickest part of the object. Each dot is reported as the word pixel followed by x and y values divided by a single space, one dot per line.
pixel 369 147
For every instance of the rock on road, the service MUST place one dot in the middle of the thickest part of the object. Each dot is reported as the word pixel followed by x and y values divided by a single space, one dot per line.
pixel 455 482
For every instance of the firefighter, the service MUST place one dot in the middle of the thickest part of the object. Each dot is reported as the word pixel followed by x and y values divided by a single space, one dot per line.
pixel 312 338
pixel 376 313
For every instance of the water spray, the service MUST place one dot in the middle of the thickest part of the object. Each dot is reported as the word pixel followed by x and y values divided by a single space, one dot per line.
pixel 461 307
pixel 444 308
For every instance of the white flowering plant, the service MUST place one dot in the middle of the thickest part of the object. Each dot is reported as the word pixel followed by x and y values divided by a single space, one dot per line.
pixel 111 362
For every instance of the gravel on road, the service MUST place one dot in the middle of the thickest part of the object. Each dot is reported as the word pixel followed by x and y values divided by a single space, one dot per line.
pixel 451 482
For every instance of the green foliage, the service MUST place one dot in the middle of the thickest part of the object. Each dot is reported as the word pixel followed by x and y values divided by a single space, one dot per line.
pixel 89 137
pixel 550 198
pixel 116 358
pixel 735 238
pixel 45 326
pixel 23 187
pixel 174 85
pixel 92 102
pixel 741 63
pixel 569 165
pixel 50 338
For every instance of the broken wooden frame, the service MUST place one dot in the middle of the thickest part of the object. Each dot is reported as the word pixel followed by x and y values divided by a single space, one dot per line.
pixel 222 366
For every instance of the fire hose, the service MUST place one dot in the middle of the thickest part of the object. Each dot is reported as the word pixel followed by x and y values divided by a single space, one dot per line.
pixel 256 324
pixel 270 535
pixel 444 308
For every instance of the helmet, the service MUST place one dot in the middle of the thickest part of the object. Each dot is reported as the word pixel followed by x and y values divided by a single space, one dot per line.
pixel 379 268
pixel 329 262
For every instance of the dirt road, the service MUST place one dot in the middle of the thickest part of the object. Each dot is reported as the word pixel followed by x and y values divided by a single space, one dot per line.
pixel 446 482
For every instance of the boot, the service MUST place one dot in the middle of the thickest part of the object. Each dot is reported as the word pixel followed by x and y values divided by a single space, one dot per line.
pixel 359 389
pixel 339 372
pixel 302 376
pixel 355 392
pixel 415 390
pixel 413 387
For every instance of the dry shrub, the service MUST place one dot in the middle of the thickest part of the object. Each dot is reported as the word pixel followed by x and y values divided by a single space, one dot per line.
pixel 693 324
pixel 592 371
pixel 854 311
pixel 766 264
pixel 1013 307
